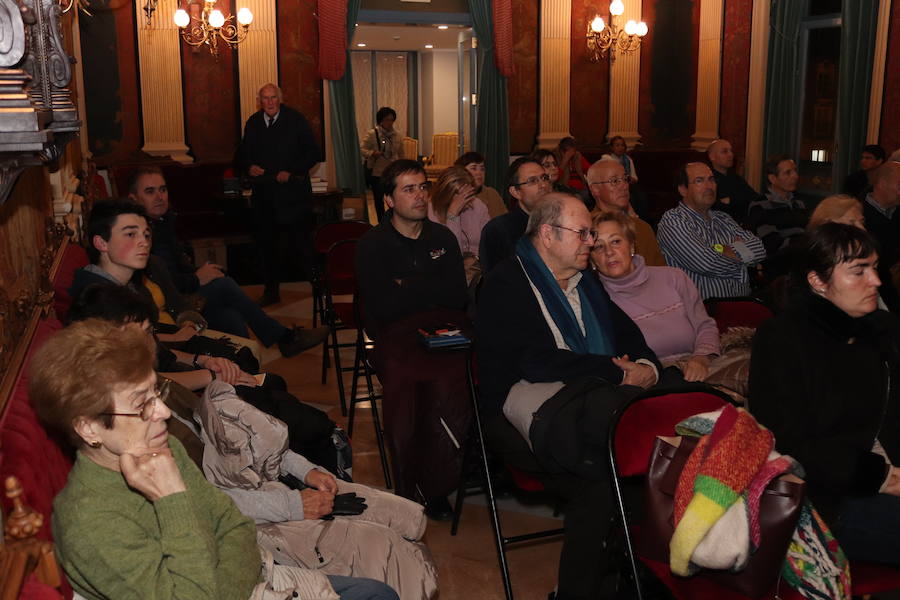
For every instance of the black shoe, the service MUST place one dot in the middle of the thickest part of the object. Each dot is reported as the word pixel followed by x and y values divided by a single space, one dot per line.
pixel 297 340
pixel 439 509
pixel 268 300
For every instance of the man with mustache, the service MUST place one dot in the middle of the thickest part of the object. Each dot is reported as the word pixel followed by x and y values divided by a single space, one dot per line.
pixel 707 244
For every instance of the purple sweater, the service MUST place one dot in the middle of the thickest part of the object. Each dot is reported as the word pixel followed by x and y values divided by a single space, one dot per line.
pixel 665 304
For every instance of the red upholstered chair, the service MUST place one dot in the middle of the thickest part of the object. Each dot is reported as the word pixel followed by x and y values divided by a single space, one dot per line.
pixel 74 257
pixel 325 237
pixel 737 312
pixel 655 413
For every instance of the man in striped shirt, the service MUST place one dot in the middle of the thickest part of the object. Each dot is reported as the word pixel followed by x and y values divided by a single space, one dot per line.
pixel 707 244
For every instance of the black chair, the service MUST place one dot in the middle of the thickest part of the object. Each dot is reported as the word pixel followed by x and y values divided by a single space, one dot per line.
pixel 477 456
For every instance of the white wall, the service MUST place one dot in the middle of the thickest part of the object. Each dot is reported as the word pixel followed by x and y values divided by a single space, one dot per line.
pixel 439 94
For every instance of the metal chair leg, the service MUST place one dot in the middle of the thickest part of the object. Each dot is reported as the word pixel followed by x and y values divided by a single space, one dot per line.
pixel 379 437
pixel 338 371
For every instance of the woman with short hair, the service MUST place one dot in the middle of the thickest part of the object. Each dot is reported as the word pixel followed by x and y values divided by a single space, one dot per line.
pixel 136 518
pixel 823 378
pixel 455 205
pixel 382 145
pixel 473 162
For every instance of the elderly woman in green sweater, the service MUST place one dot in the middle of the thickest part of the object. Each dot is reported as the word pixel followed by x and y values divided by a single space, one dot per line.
pixel 136 518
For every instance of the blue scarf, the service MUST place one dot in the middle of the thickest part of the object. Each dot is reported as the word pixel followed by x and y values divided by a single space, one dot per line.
pixel 594 304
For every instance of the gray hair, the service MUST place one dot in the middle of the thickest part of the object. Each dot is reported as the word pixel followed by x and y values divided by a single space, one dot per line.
pixel 546 212
pixel 271 85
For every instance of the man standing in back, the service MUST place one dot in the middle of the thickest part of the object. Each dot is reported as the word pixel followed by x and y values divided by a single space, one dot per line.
pixel 277 152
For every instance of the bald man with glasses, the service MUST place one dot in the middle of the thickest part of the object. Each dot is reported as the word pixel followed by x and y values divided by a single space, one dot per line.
pixel 608 185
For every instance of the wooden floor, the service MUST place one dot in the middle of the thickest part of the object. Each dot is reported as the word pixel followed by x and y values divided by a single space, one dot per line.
pixel 467 563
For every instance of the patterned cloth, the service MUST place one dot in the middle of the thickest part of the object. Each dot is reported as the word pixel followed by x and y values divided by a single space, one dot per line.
pixel 815 565
pixel 688 239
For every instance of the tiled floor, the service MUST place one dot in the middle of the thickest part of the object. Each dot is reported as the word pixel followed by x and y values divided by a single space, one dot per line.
pixel 467 563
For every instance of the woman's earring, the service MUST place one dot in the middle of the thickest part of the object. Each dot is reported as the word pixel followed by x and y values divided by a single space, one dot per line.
pixel 95 444
pixel 632 252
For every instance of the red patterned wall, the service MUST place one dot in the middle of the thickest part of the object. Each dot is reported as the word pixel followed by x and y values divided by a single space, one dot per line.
pixel 889 137
pixel 298 43
pixel 210 99
pixel 589 82
pixel 735 75
pixel 522 87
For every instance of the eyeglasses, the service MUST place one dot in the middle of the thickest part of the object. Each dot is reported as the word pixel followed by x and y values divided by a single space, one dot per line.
pixel 411 189
pixel 146 412
pixel 586 235
pixel 611 182
pixel 702 180
pixel 550 164
pixel 533 180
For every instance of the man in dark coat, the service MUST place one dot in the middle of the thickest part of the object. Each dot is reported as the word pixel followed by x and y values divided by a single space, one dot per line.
pixel 551 345
pixel 277 152
pixel 733 193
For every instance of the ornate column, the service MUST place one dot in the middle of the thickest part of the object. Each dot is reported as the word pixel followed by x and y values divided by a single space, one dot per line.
pixel 756 95
pixel 159 57
pixel 257 55
pixel 624 85
pixel 878 64
pixel 709 73
pixel 555 47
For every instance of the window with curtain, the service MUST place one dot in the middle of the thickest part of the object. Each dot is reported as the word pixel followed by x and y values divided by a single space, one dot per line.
pixel 384 79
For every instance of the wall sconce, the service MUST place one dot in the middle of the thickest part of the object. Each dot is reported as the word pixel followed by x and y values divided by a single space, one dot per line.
pixel 603 38
pixel 211 25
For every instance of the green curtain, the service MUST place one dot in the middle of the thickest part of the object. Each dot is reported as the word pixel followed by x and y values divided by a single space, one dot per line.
pixel 859 20
pixel 492 122
pixel 783 79
pixel 347 160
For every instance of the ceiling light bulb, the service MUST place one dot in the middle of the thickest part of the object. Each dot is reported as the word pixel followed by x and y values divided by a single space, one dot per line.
pixel 216 19
pixel 597 25
pixel 642 29
pixel 616 8
pixel 630 27
pixel 182 18
pixel 244 16
pixel 429 45
pixel 360 45
pixel 443 27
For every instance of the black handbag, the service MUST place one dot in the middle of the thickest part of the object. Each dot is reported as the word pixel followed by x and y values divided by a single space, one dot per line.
pixel 779 509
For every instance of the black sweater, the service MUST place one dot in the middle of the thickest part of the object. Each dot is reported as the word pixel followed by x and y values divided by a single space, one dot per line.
pixel 513 340
pixel 820 381
pixel 429 270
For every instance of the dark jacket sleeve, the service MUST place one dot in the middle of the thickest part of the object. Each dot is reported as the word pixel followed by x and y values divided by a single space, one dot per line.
pixel 308 154
pixel 494 246
pixel 514 341
pixel 244 157
pixel 159 274
pixel 782 398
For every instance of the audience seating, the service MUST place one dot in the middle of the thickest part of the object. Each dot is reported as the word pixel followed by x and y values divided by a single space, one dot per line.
pixel 444 151
pixel 634 430
pixel 476 451
pixel 737 312
pixel 362 367
pixel 411 148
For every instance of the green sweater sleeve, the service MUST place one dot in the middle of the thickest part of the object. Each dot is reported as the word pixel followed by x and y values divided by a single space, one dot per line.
pixel 237 568
pixel 113 543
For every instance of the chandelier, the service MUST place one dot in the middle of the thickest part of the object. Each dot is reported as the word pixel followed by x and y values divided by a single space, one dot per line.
pixel 210 25
pixel 603 38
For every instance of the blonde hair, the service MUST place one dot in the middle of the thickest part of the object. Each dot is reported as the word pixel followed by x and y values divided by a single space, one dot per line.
pixel 447 186
pixel 832 208
pixel 77 371
pixel 626 223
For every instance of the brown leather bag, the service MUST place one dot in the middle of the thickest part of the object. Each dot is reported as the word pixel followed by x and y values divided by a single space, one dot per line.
pixel 779 510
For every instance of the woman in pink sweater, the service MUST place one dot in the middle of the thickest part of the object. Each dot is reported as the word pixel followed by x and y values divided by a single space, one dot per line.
pixel 662 301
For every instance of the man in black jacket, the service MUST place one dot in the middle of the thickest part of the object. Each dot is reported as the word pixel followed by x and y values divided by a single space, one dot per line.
pixel 411 276
pixel 527 181
pixel 227 307
pixel 277 152
pixel 545 326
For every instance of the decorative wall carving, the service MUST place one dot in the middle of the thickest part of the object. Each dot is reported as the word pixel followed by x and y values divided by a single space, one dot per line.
pixel 37 116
